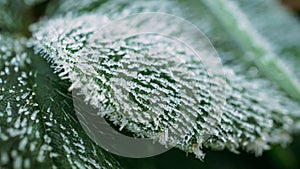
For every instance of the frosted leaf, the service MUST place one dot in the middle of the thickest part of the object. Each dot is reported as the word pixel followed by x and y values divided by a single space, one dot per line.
pixel 263 46
pixel 257 113
pixel 36 132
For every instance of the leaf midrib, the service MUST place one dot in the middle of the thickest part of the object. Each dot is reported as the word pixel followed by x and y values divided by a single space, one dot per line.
pixel 268 65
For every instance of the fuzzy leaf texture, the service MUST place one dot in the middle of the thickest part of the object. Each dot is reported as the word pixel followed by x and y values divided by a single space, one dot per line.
pixel 258 111
pixel 254 106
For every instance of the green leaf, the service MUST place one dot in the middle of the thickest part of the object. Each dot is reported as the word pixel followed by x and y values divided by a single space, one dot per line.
pixel 38 126
pixel 258 112
pixel 265 47
pixel 59 7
